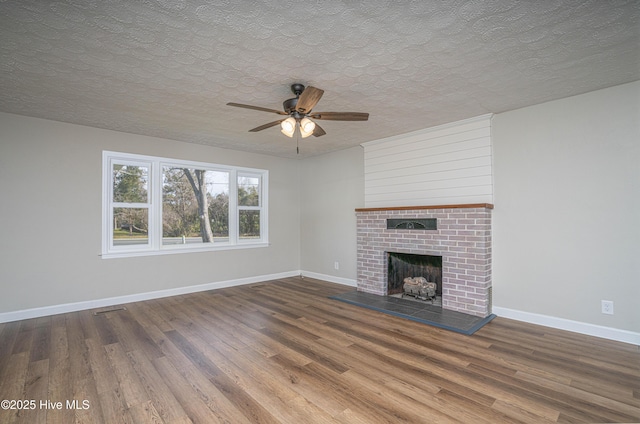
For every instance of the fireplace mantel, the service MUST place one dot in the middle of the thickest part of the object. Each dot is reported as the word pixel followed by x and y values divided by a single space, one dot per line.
pixel 409 208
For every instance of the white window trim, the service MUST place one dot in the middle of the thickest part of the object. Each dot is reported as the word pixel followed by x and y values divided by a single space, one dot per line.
pixel 154 246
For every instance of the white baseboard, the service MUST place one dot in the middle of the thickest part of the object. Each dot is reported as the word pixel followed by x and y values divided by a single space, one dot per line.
pixel 330 278
pixel 569 325
pixel 548 321
pixel 100 303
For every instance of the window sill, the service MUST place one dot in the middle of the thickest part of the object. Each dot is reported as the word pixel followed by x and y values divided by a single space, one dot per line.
pixel 133 254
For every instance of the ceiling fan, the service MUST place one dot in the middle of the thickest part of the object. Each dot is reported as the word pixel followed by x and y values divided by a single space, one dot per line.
pixel 299 113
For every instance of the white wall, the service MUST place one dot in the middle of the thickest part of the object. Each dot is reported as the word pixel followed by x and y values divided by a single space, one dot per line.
pixel 332 188
pixel 567 208
pixel 50 209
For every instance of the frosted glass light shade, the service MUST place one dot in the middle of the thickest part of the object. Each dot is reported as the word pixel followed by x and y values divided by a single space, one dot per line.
pixel 306 127
pixel 288 126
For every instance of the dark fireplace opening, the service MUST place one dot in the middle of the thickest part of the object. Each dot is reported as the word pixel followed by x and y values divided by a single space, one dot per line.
pixel 408 265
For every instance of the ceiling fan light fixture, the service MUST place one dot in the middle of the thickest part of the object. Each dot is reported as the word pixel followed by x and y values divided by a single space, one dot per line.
pixel 288 126
pixel 298 110
pixel 306 127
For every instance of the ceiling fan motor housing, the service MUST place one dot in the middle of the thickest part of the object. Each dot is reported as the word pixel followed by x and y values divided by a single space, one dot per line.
pixel 289 105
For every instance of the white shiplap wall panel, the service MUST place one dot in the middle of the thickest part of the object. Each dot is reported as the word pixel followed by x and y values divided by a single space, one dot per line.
pixel 423 162
pixel 449 164
pixel 434 172
pixel 428 193
pixel 476 165
pixel 432 133
pixel 457 141
pixel 457 183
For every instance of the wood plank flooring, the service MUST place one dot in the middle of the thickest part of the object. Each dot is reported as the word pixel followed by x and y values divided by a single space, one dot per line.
pixel 282 352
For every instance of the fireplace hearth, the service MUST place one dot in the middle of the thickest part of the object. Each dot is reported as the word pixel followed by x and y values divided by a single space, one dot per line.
pixel 462 240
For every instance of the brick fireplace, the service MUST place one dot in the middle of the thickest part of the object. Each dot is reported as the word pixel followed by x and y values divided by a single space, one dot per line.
pixel 462 237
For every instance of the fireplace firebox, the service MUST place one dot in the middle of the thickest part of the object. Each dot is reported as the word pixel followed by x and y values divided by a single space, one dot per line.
pixel 407 265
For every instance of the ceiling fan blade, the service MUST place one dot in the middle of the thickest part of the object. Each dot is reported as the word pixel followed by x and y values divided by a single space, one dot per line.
pixel 263 109
pixel 318 131
pixel 265 126
pixel 308 99
pixel 340 116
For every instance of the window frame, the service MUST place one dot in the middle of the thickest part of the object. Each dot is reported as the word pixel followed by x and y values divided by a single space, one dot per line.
pixel 155 246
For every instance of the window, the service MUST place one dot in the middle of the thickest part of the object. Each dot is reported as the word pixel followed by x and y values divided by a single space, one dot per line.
pixel 154 205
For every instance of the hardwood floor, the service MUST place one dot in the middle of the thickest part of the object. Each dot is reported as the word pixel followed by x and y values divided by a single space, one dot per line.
pixel 282 352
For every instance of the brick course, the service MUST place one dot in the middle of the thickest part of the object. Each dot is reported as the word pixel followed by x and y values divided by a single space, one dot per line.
pixel 463 239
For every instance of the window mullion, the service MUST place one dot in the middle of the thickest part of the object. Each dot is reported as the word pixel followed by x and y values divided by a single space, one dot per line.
pixel 155 206
pixel 264 202
pixel 233 207
pixel 107 205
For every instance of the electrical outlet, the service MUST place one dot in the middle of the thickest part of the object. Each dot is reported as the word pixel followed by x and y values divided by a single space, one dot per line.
pixel 336 265
pixel 607 307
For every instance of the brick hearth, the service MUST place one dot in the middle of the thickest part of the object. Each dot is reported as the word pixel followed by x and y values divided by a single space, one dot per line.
pixel 463 239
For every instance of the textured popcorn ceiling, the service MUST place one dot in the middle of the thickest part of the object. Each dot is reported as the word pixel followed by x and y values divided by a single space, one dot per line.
pixel 167 68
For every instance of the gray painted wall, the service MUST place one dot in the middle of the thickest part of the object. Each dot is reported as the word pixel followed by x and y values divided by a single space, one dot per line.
pixel 567 208
pixel 50 256
pixel 333 187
